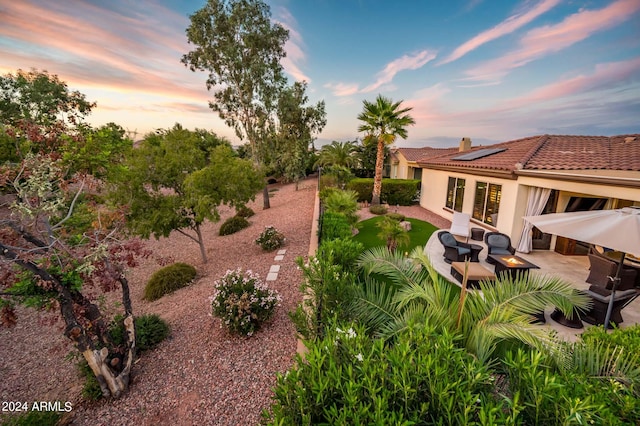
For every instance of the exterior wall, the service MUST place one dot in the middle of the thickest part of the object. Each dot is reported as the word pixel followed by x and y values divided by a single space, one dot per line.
pixel 434 196
pixel 403 167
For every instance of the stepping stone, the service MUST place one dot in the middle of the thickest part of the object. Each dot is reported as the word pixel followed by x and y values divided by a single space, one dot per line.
pixel 272 276
pixel 274 268
pixel 279 257
pixel 282 252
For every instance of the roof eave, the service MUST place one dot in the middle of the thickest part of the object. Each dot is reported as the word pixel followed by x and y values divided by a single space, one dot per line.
pixel 502 174
pixel 602 180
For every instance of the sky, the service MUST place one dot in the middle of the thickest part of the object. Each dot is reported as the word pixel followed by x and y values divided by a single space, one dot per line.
pixel 491 70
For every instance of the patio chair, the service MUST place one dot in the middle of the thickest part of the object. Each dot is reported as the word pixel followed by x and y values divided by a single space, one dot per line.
pixel 454 250
pixel 460 224
pixel 600 297
pixel 498 243
pixel 601 268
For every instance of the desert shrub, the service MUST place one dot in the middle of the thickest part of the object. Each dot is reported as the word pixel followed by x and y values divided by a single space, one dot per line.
pixel 344 202
pixel 334 225
pixel 403 192
pixel 243 302
pixel 327 181
pixel 233 225
pixel 169 279
pixel 326 191
pixel 380 209
pixel 425 378
pixel 329 286
pixel 244 211
pixel 550 397
pixel 30 418
pixel 270 239
pixel 150 331
pixel 398 217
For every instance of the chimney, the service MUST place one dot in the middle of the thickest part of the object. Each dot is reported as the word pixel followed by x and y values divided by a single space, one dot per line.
pixel 465 144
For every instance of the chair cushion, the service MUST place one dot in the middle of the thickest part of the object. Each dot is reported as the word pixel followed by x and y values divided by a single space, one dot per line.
pixel 499 251
pixel 463 250
pixel 448 240
pixel 498 241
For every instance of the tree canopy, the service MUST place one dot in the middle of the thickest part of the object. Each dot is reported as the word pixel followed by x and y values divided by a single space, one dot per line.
pixel 179 178
pixel 383 120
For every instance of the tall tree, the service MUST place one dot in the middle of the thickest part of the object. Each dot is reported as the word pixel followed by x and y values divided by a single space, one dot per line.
pixel 177 179
pixel 384 121
pixel 338 154
pixel 297 124
pixel 240 47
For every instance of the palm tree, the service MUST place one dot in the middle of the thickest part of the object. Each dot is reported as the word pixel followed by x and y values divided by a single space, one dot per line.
pixel 418 294
pixel 383 120
pixel 393 233
pixel 337 154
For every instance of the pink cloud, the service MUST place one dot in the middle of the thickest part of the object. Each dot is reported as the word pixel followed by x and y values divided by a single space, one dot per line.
pixel 342 89
pixel 405 62
pixel 293 46
pixel 507 26
pixel 553 38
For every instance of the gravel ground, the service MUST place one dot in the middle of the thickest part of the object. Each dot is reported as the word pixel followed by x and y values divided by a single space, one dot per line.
pixel 201 375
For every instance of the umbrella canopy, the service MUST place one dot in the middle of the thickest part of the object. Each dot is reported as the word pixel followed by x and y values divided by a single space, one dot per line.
pixel 617 229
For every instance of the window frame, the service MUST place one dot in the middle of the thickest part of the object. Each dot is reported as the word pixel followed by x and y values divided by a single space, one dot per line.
pixel 455 193
pixel 491 195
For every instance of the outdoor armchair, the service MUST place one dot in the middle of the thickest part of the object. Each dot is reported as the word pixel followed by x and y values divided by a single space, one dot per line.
pixel 460 224
pixel 601 268
pixel 454 250
pixel 600 297
pixel 498 243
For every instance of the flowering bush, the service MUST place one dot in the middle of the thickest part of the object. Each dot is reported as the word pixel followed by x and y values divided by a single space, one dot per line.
pixel 270 239
pixel 243 301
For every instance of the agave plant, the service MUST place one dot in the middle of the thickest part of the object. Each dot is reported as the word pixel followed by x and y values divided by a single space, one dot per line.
pixel 411 291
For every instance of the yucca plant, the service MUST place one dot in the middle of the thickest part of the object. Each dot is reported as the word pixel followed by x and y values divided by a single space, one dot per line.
pixel 502 312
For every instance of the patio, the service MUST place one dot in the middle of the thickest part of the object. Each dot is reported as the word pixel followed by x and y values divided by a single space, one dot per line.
pixel 573 269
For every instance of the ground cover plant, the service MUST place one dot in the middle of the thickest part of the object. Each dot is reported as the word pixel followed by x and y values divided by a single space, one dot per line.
pixel 368 233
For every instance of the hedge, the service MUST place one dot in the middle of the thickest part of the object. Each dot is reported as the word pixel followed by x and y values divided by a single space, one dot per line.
pixel 334 226
pixel 401 192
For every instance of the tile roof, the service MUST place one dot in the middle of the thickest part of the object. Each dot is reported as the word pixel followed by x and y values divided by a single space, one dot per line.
pixel 552 152
pixel 415 154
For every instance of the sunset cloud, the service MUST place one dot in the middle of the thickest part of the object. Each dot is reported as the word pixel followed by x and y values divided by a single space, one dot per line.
pixel 549 39
pixel 294 46
pixel 505 27
pixel 405 62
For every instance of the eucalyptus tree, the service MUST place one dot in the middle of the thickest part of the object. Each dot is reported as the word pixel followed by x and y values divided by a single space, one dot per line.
pixel 383 120
pixel 240 48
pixel 176 179
pixel 338 154
pixel 297 123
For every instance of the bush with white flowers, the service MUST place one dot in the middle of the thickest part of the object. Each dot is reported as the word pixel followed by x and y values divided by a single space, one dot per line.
pixel 243 301
pixel 270 239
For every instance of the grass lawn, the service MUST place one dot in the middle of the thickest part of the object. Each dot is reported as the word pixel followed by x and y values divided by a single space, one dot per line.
pixel 368 233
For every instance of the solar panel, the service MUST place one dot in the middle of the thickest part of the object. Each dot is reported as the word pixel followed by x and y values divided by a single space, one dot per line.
pixel 478 154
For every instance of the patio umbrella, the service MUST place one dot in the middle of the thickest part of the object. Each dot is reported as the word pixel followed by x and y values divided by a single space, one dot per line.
pixel 617 229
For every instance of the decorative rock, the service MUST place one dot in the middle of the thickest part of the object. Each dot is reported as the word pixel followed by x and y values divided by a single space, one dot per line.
pixel 406 225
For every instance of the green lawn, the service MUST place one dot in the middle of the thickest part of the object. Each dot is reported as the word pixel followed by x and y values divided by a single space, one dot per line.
pixel 368 233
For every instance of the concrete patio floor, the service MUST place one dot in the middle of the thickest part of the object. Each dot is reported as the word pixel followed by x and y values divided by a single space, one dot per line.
pixel 573 269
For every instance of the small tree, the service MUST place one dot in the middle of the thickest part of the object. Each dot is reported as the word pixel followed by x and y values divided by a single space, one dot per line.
pixel 393 233
pixel 177 178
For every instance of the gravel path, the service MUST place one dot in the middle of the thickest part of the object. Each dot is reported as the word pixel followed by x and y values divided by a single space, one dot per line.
pixel 201 375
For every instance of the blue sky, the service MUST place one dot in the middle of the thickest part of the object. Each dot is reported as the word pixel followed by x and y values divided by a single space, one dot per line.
pixel 491 70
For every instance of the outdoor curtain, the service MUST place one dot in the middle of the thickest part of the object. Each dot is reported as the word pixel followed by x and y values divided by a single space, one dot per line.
pixel 535 205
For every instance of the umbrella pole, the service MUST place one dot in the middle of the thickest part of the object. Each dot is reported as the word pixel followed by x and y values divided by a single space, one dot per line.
pixel 616 280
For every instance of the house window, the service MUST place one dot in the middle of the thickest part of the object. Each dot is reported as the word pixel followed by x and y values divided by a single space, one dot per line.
pixel 455 194
pixel 487 202
pixel 417 173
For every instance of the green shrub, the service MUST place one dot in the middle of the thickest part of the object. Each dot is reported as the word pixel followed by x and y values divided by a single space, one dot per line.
pixel 169 279
pixel 31 418
pixel 627 338
pixel 326 191
pixel 91 389
pixel 244 211
pixel 150 331
pixel 233 225
pixel 334 225
pixel 341 175
pixel 380 209
pixel 270 239
pixel 398 217
pixel 339 201
pixel 347 378
pixel 243 302
pixel 403 192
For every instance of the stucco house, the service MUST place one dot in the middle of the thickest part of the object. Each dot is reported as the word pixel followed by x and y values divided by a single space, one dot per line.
pixel 404 161
pixel 496 183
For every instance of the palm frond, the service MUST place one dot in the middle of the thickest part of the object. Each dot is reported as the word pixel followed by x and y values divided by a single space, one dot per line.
pixel 391 265
pixel 374 305
pixel 598 359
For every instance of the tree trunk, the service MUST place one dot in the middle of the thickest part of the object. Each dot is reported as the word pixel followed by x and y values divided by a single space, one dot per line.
pixel 203 252
pixel 377 180
pixel 265 196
